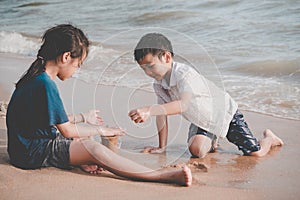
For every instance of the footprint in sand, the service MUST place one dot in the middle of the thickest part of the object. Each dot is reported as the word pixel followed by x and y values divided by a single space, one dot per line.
pixel 195 166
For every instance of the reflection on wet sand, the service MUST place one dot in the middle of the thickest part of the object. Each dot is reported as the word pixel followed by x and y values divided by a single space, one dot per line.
pixel 226 167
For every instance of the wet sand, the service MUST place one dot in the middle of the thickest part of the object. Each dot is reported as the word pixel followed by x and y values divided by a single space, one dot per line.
pixel 225 174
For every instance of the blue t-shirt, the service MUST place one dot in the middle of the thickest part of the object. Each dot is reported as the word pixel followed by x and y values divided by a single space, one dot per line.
pixel 33 111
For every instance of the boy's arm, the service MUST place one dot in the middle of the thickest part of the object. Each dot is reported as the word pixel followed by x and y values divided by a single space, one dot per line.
pixel 172 108
pixel 162 128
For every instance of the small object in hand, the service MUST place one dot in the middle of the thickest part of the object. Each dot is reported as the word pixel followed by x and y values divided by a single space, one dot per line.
pixel 110 142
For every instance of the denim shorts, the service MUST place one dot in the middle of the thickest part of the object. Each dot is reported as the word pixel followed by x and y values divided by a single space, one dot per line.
pixel 238 134
pixel 58 154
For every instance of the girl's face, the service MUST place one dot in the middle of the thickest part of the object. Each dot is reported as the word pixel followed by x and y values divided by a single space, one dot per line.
pixel 70 67
pixel 154 67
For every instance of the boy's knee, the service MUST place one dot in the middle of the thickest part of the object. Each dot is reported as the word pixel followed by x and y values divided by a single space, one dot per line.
pixel 199 145
pixel 197 151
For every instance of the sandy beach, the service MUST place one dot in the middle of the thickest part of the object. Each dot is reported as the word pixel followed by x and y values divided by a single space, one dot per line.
pixel 221 175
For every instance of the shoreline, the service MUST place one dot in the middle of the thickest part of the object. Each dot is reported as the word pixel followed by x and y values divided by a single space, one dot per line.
pixel 16 72
pixel 224 174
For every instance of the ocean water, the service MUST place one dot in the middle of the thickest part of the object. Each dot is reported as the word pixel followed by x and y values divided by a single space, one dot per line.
pixel 250 48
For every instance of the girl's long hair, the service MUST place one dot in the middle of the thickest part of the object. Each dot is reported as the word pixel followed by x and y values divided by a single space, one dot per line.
pixel 56 41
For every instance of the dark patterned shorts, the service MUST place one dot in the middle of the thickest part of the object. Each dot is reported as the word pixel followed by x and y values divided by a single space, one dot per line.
pixel 238 133
pixel 58 154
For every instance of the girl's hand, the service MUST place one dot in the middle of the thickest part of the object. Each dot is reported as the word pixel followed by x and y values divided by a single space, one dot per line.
pixel 106 131
pixel 92 117
pixel 139 115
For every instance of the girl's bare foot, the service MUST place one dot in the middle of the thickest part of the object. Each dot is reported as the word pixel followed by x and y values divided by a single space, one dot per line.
pixel 183 176
pixel 276 140
pixel 187 176
pixel 92 169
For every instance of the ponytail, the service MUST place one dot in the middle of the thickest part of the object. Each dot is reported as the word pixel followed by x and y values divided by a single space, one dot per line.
pixel 56 41
pixel 36 68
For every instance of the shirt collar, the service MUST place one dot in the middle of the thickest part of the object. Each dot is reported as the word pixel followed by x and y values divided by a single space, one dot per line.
pixel 164 83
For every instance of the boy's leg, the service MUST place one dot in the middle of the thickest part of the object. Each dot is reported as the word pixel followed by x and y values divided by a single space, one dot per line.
pixel 269 140
pixel 200 141
pixel 240 134
pixel 91 152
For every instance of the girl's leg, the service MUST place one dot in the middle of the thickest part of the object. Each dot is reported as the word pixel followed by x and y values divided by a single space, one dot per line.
pixel 269 140
pixel 89 152
pixel 92 169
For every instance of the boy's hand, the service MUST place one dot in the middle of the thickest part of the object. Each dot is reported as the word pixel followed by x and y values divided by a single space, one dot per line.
pixel 92 117
pixel 153 150
pixel 139 115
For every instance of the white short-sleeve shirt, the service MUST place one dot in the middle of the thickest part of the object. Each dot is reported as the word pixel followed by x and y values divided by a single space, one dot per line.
pixel 210 107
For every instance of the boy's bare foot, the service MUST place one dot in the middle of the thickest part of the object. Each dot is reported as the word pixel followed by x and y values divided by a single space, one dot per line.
pixel 92 169
pixel 276 140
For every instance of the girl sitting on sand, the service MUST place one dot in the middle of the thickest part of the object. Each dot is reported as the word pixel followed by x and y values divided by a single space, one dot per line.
pixel 36 112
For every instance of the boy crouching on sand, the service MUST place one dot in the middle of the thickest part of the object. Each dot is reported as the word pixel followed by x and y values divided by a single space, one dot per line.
pixel 180 89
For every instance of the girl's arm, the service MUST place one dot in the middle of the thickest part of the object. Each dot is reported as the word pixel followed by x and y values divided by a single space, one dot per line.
pixel 92 117
pixel 75 118
pixel 70 130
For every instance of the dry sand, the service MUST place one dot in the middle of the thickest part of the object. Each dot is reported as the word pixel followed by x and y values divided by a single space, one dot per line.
pixel 221 175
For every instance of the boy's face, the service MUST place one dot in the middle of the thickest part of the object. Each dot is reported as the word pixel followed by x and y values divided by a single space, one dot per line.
pixel 154 67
